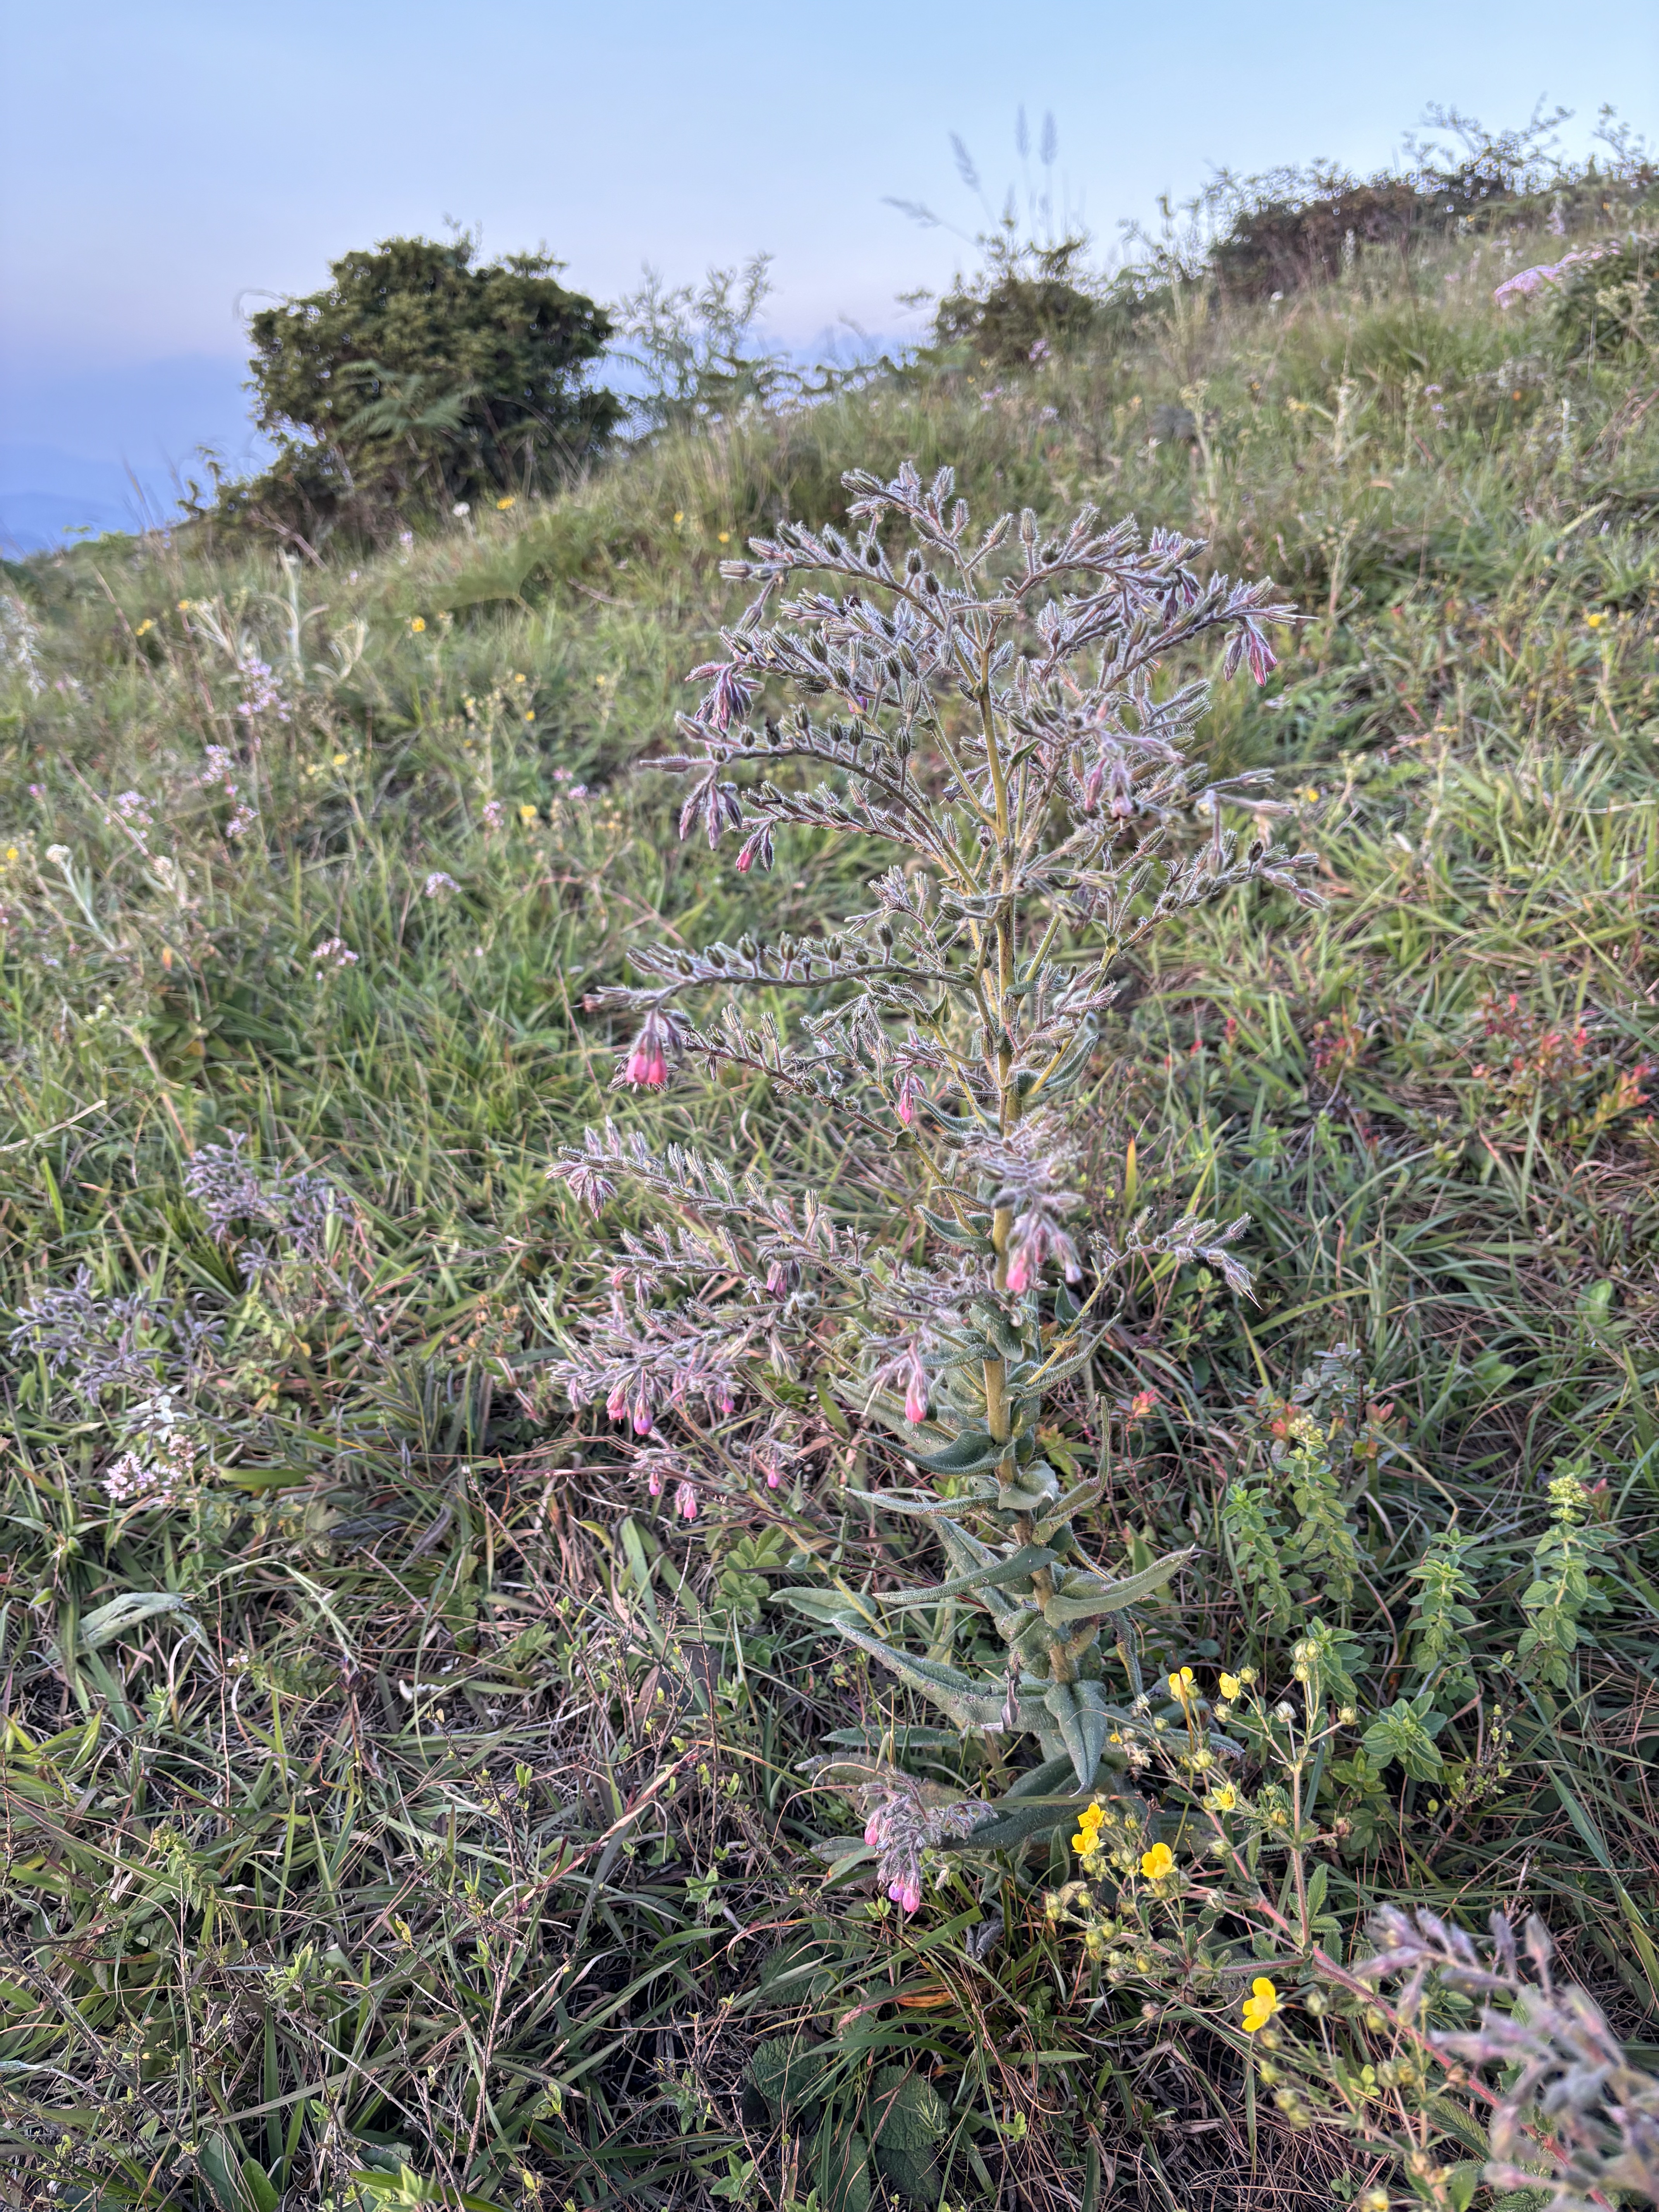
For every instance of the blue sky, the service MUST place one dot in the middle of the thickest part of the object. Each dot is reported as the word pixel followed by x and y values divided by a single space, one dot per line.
pixel 163 169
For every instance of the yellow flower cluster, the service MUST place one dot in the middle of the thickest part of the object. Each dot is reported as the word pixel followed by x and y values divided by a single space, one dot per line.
pixel 1087 1838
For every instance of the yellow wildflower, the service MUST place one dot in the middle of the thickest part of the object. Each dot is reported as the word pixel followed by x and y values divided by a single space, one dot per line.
pixel 501 505
pixel 1594 617
pixel 1223 1799
pixel 1158 1862
pixel 1231 1685
pixel 1260 2005
pixel 518 678
pixel 148 622
pixel 678 515
pixel 184 606
pixel 725 538
pixel 526 814
pixel 418 625
pixel 1181 1685
pixel 339 760
pixel 1087 1838
pixel 12 851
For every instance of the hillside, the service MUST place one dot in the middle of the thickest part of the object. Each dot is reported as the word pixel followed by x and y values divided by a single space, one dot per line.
pixel 402 1805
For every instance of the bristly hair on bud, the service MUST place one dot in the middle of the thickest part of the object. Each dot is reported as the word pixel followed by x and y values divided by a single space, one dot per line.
pixel 991 713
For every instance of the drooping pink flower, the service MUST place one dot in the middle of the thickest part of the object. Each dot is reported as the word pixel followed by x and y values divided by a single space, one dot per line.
pixel 916 1390
pixel 756 849
pixel 905 1894
pixel 910 1089
pixel 647 1065
pixel 685 1501
pixel 1021 1265
pixel 642 1416
pixel 616 1404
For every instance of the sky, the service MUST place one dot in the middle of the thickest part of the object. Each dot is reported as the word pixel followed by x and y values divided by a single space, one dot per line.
pixel 166 169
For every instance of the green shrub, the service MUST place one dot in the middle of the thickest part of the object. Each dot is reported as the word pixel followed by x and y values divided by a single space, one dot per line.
pixel 417 380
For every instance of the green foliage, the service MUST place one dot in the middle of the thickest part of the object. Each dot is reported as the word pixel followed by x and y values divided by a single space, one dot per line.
pixel 907 2123
pixel 1404 1735
pixel 1023 304
pixel 1609 304
pixel 1561 1592
pixel 316 1866
pixel 419 378
pixel 1440 1648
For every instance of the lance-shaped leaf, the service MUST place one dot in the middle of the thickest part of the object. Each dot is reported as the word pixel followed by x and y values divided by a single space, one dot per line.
pixel 953 1231
pixel 1077 1500
pixel 971 1702
pixel 973 1449
pixel 1018 1566
pixel 831 1609
pixel 1083 1719
pixel 917 1501
pixel 1031 1495
pixel 1092 1600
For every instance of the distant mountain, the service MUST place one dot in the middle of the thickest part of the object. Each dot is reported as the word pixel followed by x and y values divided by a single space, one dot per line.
pixel 45 491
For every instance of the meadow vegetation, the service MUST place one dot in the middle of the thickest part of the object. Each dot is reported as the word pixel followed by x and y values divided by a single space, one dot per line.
pixel 404 1802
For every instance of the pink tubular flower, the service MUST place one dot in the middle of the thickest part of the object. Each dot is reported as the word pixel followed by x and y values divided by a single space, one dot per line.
pixel 729 696
pixel 647 1066
pixel 916 1390
pixel 616 1404
pixel 685 1501
pixel 642 1416
pixel 909 1090
pixel 756 849
pixel 905 1894
pixel 1022 1264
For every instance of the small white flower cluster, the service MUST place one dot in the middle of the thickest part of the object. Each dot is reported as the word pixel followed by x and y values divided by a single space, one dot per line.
pixel 259 692
pixel 218 764
pixel 332 953
pixel 241 820
pixel 135 1481
pixel 130 807
pixel 438 884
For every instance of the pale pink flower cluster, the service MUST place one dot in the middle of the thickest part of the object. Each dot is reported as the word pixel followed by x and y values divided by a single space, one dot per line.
pixel 1526 281
pixel 332 953
pixel 259 692
pixel 904 1818
pixel 135 1481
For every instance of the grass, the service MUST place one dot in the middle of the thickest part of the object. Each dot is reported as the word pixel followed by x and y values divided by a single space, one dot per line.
pixel 409 1811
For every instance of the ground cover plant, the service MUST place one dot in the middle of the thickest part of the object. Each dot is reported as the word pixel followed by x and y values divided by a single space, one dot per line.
pixel 402 1803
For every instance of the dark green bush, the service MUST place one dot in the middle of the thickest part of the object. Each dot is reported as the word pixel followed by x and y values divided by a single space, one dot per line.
pixel 417 380
pixel 1611 302
pixel 1022 305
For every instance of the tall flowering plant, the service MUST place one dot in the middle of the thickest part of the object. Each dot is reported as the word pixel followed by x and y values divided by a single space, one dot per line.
pixel 988 709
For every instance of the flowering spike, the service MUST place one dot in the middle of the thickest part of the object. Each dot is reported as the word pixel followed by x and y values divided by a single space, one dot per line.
pixel 942 1008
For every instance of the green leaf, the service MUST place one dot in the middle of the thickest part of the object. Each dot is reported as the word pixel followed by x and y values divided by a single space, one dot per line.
pixel 1405 1734
pixel 953 1231
pixel 106 1622
pixel 970 1703
pixel 1096 1600
pixel 916 1501
pixel 832 1609
pixel 1018 1566
pixel 973 1449
pixel 1081 1713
